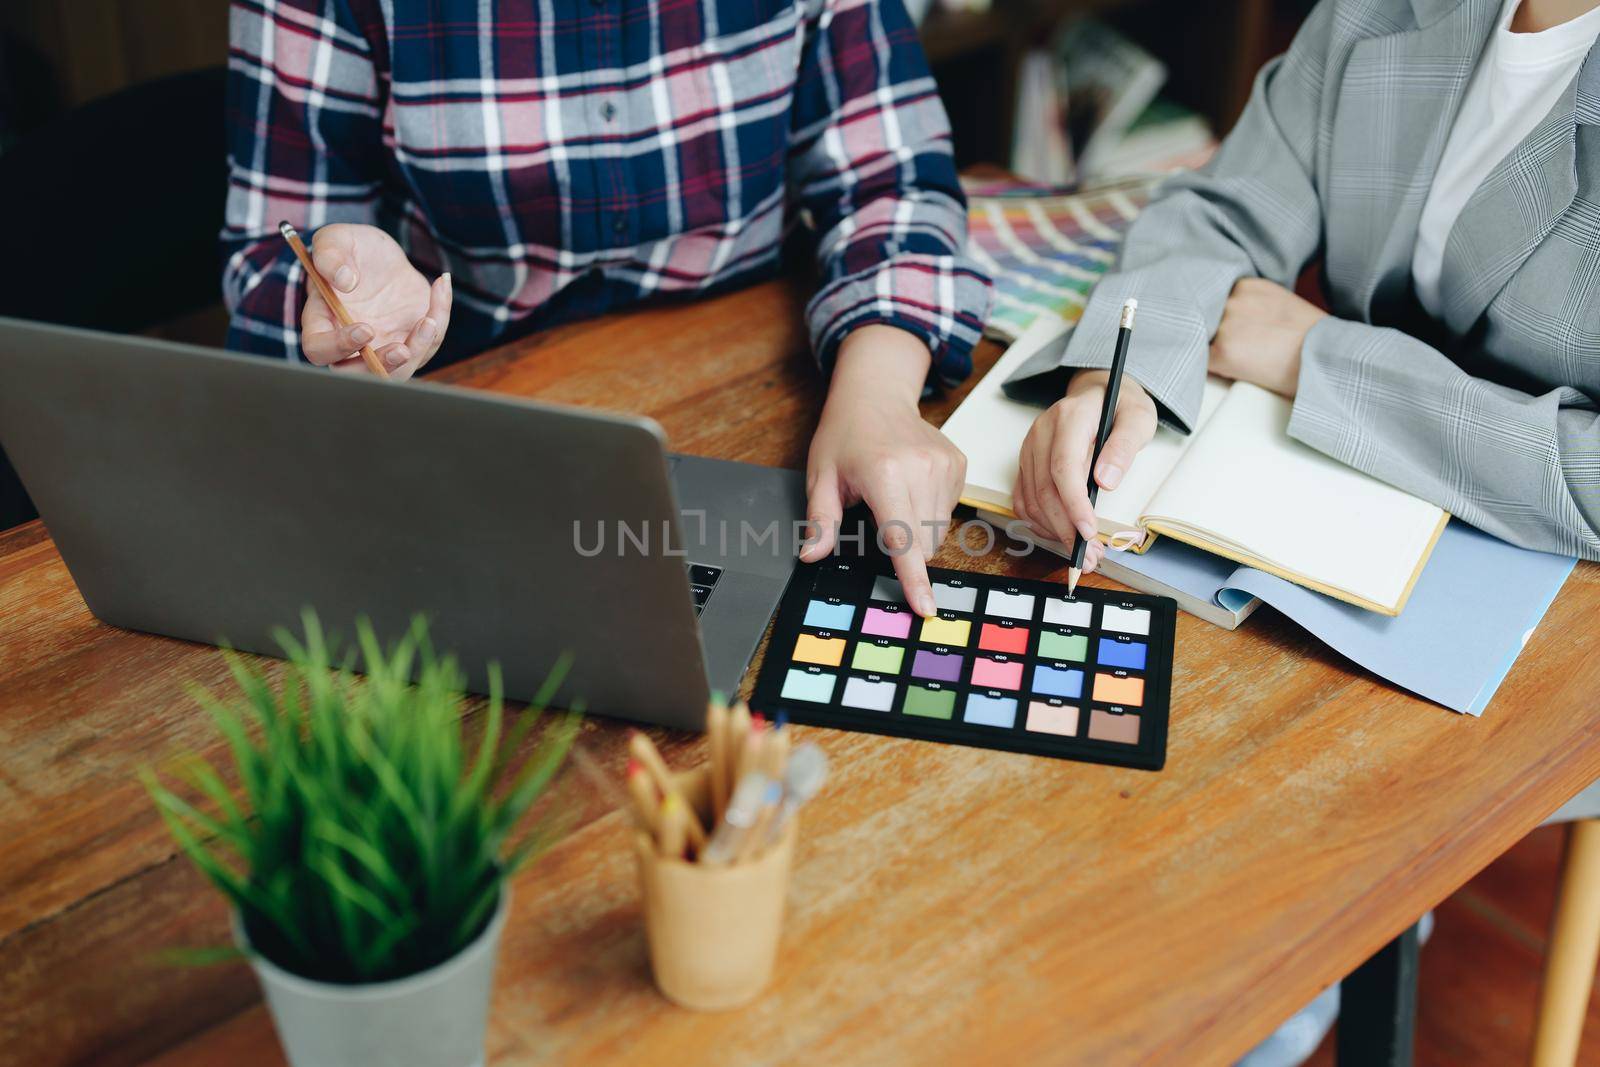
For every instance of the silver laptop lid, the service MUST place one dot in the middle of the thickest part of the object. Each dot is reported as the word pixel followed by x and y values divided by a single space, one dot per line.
pixel 211 497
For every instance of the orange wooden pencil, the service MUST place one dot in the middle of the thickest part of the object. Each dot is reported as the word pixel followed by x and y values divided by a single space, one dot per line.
pixel 368 356
pixel 642 749
pixel 717 733
pixel 645 805
pixel 674 821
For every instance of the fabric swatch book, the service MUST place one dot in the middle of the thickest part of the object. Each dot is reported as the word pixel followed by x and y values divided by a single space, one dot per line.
pixel 1237 487
pixel 1046 248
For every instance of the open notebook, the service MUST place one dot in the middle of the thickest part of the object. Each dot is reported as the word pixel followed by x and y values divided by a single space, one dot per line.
pixel 1238 486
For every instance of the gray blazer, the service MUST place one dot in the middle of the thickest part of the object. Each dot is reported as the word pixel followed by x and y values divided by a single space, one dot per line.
pixel 1491 413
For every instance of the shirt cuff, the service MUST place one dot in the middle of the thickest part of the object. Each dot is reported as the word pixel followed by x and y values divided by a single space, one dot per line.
pixel 943 300
pixel 1330 362
pixel 1167 354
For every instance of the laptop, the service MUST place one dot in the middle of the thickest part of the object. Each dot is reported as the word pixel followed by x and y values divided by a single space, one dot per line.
pixel 212 496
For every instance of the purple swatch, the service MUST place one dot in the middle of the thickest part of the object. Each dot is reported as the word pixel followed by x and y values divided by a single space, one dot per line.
pixel 939 668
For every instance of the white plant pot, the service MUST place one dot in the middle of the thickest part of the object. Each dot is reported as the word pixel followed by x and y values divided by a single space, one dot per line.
pixel 433 1019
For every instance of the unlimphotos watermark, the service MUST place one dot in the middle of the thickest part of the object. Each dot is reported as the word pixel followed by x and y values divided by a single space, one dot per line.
pixel 696 534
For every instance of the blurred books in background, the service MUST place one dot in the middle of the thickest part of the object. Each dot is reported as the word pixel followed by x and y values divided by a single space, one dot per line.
pixel 919 9
pixel 1089 111
pixel 1093 138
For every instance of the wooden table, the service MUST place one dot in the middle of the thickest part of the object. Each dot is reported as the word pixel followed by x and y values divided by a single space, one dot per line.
pixel 949 904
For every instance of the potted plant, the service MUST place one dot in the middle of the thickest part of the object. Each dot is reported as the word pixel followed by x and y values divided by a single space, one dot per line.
pixel 368 848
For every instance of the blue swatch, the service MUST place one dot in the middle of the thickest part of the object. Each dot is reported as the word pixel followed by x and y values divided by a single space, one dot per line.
pixel 1118 654
pixel 825 616
pixel 1057 683
pixel 991 711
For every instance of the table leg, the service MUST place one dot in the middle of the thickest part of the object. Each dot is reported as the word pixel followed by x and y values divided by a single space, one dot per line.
pixel 1571 952
pixel 1378 1007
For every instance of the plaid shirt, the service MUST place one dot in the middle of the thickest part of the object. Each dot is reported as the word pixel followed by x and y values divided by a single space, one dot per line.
pixel 566 157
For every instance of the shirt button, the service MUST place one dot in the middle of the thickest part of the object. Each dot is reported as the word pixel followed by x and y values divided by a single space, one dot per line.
pixel 608 111
pixel 619 224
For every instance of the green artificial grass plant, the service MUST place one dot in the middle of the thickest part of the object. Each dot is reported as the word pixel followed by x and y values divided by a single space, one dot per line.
pixel 369 843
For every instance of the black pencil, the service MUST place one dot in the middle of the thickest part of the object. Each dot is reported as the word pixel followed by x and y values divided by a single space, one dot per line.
pixel 1108 414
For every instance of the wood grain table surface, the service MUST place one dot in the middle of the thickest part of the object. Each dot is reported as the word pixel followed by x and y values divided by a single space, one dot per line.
pixel 949 904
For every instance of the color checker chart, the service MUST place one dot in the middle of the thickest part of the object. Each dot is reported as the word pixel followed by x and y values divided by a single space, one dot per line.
pixel 1006 663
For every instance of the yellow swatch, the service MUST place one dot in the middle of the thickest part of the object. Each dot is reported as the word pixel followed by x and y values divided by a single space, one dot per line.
pixel 953 632
pixel 827 651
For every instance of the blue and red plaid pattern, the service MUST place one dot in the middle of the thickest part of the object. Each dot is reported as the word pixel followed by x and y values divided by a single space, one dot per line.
pixel 566 157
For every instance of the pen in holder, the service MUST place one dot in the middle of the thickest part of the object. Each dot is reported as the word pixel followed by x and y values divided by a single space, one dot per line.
pixel 713 929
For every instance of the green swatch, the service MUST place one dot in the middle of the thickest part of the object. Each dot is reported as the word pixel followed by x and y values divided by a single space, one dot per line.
pixel 930 703
pixel 1061 646
pixel 879 659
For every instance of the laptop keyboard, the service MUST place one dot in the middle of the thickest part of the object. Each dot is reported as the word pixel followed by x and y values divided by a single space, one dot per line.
pixel 702 580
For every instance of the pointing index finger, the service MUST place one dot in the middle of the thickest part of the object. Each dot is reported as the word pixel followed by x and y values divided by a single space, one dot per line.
pixel 891 507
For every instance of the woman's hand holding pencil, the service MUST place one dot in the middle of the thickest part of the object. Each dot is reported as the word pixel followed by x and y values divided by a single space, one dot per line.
pixel 1053 469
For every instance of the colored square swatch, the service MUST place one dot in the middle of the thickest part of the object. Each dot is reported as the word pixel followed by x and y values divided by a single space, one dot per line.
pixel 1061 720
pixel 1053 682
pixel 989 674
pixel 1128 655
pixel 823 651
pixel 991 711
pixel 937 667
pixel 1012 639
pixel 825 616
pixel 1113 690
pixel 1110 726
pixel 871 696
pixel 1072 647
pixel 1009 605
pixel 1068 612
pixel 802 685
pixel 930 703
pixel 954 597
pixel 877 659
pixel 1125 620
pixel 880 623
pixel 952 632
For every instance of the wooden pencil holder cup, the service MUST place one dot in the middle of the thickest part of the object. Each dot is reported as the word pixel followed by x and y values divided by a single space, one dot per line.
pixel 713 931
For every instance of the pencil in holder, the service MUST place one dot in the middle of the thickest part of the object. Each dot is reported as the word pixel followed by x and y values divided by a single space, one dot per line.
pixel 713 930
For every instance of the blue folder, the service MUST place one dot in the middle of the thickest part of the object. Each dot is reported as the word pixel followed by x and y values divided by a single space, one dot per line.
pixel 1453 644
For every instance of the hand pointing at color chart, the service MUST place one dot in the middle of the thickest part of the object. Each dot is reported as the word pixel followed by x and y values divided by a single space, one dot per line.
pixel 873 445
pixel 392 306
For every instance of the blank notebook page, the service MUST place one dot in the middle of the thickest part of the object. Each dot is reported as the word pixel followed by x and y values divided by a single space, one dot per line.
pixel 1156 461
pixel 1246 485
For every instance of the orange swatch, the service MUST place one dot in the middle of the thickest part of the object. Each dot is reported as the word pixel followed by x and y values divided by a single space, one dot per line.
pixel 827 651
pixel 1128 692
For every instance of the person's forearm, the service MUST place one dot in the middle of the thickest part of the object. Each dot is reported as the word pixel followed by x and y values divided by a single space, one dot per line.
pixel 872 445
pixel 1515 464
pixel 882 364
